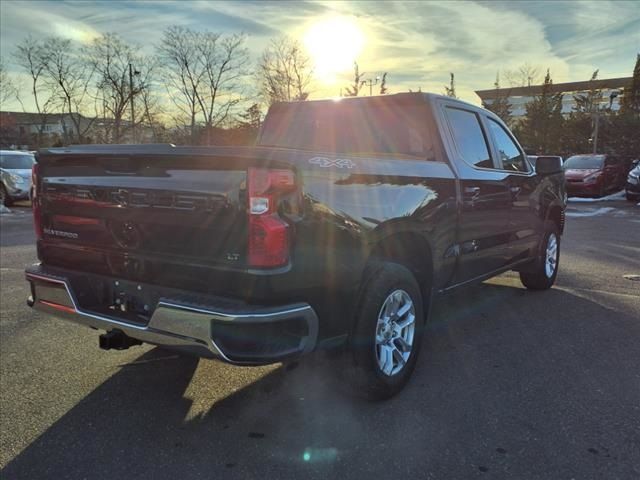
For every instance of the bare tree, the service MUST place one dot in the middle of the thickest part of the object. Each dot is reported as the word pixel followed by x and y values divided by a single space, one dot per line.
pixel 69 77
pixel 112 61
pixel 284 71
pixel 7 87
pixel 523 76
pixel 358 81
pixel 206 71
pixel 33 57
pixel 182 72
pixel 152 112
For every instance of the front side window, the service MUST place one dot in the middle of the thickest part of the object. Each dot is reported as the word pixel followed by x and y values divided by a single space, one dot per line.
pixel 510 155
pixel 469 138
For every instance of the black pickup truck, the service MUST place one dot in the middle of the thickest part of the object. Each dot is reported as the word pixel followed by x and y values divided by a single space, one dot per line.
pixel 337 229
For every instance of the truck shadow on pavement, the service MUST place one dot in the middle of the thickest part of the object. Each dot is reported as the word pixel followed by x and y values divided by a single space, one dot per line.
pixel 510 382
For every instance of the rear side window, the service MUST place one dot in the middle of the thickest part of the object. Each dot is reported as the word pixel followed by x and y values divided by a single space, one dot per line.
pixel 380 126
pixel 510 155
pixel 469 137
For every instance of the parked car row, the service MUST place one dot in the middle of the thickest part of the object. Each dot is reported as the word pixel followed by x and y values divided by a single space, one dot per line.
pixel 15 176
pixel 585 175
pixel 598 175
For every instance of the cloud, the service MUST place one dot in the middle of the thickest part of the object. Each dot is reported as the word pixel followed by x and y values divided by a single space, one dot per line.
pixel 418 43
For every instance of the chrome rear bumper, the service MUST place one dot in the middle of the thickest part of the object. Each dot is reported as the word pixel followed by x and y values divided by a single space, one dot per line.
pixel 202 330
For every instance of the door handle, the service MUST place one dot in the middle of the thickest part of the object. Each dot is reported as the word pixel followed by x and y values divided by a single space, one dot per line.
pixel 472 190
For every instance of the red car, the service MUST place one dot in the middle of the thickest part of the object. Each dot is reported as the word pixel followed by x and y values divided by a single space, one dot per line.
pixel 593 175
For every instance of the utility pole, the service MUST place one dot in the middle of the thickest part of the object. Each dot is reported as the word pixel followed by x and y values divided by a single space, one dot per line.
pixel 595 131
pixel 132 72
pixel 596 118
pixel 133 118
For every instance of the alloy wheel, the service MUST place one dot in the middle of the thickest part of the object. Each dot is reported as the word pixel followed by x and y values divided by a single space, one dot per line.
pixel 551 255
pixel 395 332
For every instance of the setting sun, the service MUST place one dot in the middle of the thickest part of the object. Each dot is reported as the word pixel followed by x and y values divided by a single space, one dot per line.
pixel 334 43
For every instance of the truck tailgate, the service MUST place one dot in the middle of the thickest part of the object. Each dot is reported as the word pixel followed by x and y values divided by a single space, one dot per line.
pixel 124 214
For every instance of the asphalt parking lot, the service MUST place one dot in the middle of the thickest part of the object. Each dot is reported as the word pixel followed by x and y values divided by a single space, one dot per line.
pixel 510 384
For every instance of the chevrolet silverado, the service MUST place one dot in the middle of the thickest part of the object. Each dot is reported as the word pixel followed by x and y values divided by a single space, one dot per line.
pixel 338 228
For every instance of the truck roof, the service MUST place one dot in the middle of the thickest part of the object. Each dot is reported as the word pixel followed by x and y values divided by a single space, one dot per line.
pixel 403 97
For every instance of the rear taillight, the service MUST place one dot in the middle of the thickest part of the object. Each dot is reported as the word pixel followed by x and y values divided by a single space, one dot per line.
pixel 35 202
pixel 268 233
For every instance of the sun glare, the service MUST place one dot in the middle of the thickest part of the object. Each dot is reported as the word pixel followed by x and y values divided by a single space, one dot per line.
pixel 333 43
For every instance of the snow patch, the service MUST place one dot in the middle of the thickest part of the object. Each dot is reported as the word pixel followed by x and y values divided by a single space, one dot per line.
pixel 4 209
pixel 590 213
pixel 614 196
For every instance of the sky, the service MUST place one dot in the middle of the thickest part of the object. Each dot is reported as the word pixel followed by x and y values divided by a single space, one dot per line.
pixel 417 43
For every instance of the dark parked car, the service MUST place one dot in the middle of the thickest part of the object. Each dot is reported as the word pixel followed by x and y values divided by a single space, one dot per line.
pixel 632 188
pixel 15 176
pixel 338 228
pixel 593 175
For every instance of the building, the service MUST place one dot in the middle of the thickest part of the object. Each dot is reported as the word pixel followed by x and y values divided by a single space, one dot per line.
pixel 611 91
pixel 32 130
pixel 25 127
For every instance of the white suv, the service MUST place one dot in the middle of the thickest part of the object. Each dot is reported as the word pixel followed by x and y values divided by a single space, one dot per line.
pixel 15 176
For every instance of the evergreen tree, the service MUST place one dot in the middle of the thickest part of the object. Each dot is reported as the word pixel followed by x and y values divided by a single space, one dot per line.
pixel 383 84
pixel 251 118
pixel 631 98
pixel 500 105
pixel 579 126
pixel 354 89
pixel 625 128
pixel 543 122
pixel 450 91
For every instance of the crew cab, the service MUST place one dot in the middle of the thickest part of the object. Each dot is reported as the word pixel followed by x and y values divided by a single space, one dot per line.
pixel 338 229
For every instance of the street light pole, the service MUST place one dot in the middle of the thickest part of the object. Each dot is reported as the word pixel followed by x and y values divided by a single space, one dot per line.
pixel 595 132
pixel 596 119
pixel 371 84
pixel 133 118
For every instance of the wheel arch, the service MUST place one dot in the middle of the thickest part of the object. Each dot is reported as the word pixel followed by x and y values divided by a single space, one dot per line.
pixel 555 214
pixel 411 250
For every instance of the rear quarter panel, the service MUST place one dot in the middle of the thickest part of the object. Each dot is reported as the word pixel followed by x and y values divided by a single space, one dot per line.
pixel 348 210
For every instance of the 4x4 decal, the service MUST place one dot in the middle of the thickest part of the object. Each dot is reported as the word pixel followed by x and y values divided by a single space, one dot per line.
pixel 332 162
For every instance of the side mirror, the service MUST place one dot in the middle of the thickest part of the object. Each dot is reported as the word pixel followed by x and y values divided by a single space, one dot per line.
pixel 548 165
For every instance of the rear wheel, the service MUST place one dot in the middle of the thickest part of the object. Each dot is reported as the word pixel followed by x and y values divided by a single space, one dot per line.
pixel 544 272
pixel 388 331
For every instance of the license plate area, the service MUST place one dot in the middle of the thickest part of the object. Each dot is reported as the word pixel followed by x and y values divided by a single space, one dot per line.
pixel 129 301
pixel 131 297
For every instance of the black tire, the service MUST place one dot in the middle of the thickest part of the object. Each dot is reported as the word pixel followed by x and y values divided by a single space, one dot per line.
pixel 4 197
pixel 366 375
pixel 537 278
